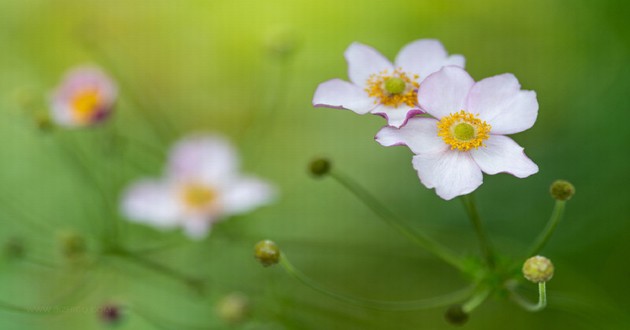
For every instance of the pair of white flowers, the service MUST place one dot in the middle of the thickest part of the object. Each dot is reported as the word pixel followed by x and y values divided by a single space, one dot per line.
pixel 202 184
pixel 463 123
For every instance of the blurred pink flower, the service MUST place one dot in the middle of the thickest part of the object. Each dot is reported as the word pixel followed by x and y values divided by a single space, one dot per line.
pixel 202 185
pixel 377 86
pixel 468 134
pixel 86 96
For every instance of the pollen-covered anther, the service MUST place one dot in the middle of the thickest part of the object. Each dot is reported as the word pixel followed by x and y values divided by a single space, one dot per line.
pixel 463 131
pixel 85 105
pixel 196 196
pixel 393 89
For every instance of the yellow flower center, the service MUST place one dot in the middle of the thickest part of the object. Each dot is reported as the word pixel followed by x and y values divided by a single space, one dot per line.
pixel 393 89
pixel 196 196
pixel 85 104
pixel 463 130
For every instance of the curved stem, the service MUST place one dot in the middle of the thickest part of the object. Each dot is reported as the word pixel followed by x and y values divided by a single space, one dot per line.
pixel 386 215
pixel 545 235
pixel 528 306
pixel 427 303
pixel 484 242
pixel 475 301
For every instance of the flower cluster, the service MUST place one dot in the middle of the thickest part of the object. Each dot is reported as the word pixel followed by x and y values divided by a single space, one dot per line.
pixel 462 132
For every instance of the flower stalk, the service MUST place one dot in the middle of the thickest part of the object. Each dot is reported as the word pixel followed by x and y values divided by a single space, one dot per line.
pixel 545 235
pixel 475 219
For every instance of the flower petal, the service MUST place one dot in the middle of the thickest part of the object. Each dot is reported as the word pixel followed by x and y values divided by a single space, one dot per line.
pixel 246 194
pixel 500 101
pixel 445 91
pixel 502 154
pixel 340 94
pixel 208 159
pixel 424 57
pixel 396 117
pixel 197 228
pixel 452 173
pixel 420 135
pixel 364 61
pixel 151 202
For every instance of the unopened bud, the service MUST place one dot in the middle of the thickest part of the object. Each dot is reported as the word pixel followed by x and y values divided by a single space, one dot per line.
pixel 538 269
pixel 72 245
pixel 319 167
pixel 562 190
pixel 44 123
pixel 456 315
pixel 233 308
pixel 267 252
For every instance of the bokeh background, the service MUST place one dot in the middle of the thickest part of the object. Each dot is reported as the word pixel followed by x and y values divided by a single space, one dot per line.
pixel 248 69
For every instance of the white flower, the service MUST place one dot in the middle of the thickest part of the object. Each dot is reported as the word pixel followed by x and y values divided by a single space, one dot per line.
pixel 377 86
pixel 85 97
pixel 468 136
pixel 202 185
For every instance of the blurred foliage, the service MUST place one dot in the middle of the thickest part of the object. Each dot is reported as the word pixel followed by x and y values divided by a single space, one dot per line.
pixel 248 69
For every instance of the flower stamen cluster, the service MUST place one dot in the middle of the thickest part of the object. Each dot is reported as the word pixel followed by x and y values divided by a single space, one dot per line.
pixel 463 131
pixel 393 89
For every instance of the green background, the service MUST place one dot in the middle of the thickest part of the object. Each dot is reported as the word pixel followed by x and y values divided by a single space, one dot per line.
pixel 217 66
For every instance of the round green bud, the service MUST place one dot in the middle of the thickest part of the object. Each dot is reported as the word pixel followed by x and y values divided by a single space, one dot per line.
pixel 72 245
pixel 562 190
pixel 267 252
pixel 538 269
pixel 395 85
pixel 456 315
pixel 319 167
pixel 233 308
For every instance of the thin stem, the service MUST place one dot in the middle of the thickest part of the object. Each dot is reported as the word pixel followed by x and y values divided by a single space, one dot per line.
pixel 475 301
pixel 386 215
pixel 528 306
pixel 484 242
pixel 545 235
pixel 427 303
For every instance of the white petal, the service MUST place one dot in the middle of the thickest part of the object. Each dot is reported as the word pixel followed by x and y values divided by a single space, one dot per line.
pixel 364 61
pixel 340 94
pixel 500 101
pixel 246 194
pixel 502 154
pixel 420 135
pixel 209 159
pixel 197 228
pixel 424 57
pixel 396 117
pixel 445 91
pixel 452 173
pixel 151 202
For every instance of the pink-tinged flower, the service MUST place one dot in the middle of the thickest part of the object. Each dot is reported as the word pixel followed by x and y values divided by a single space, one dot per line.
pixel 85 97
pixel 377 86
pixel 202 185
pixel 468 134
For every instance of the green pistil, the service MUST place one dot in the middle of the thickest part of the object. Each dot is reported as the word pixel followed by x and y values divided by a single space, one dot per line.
pixel 464 132
pixel 395 85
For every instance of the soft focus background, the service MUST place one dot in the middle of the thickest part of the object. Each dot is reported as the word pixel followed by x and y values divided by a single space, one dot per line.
pixel 248 69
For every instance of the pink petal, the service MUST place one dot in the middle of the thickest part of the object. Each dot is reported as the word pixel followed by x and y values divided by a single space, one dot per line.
pixel 340 94
pixel 445 91
pixel 424 57
pixel 151 202
pixel 246 194
pixel 364 61
pixel 452 173
pixel 398 116
pixel 420 135
pixel 502 154
pixel 208 159
pixel 499 101
pixel 197 228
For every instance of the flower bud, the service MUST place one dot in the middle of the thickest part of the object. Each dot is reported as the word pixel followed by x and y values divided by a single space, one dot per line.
pixel 44 123
pixel 72 245
pixel 267 252
pixel 562 190
pixel 319 167
pixel 538 269
pixel 456 315
pixel 233 308
pixel 110 314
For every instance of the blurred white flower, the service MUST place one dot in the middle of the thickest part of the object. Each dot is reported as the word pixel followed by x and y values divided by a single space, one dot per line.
pixel 86 96
pixel 202 185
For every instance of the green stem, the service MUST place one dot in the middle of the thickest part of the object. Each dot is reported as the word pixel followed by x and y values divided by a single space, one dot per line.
pixel 386 215
pixel 528 306
pixel 484 242
pixel 475 301
pixel 427 303
pixel 545 235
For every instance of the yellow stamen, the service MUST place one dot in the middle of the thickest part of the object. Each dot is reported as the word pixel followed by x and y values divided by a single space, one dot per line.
pixel 393 89
pixel 196 196
pixel 85 104
pixel 463 130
